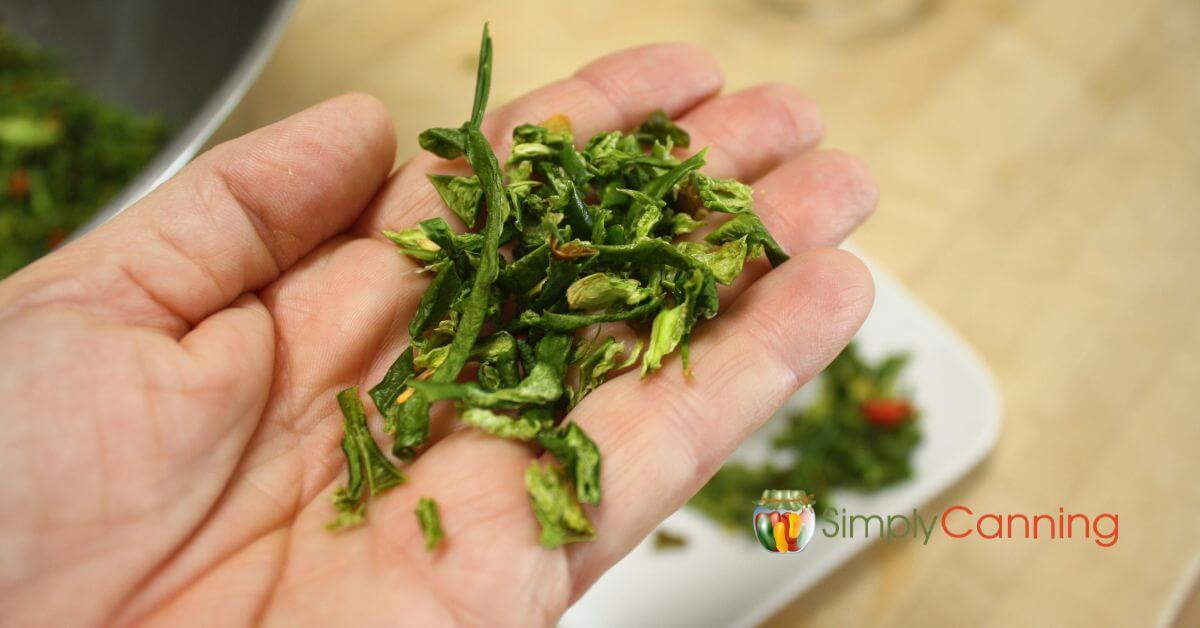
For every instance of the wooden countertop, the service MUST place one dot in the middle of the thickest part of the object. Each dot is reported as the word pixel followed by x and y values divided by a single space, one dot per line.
pixel 1040 165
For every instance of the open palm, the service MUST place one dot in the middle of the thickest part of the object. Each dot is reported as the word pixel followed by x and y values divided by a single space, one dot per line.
pixel 170 435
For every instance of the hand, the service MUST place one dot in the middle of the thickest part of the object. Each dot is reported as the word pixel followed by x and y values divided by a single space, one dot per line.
pixel 170 434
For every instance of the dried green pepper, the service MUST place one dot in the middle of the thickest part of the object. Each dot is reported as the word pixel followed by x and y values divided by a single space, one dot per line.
pixel 593 238
pixel 430 522
pixel 370 470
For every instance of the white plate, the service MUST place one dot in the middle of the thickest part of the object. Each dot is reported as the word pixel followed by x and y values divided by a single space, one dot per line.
pixel 725 579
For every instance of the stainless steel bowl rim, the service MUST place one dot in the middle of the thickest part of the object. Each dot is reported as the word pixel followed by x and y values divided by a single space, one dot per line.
pixel 188 141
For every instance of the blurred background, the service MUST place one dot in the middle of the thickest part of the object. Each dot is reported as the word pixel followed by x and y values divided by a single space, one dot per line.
pixel 1039 165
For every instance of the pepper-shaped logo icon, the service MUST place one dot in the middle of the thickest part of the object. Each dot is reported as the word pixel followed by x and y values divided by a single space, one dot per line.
pixel 784 521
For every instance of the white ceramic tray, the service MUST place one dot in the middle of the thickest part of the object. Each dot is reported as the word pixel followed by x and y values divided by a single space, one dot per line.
pixel 725 579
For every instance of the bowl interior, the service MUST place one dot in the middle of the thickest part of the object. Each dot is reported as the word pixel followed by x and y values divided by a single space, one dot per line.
pixel 154 56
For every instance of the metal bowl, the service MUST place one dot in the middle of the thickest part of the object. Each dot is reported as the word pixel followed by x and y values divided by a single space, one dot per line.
pixel 190 62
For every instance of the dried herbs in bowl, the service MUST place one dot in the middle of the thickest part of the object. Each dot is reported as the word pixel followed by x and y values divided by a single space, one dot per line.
pixel 63 152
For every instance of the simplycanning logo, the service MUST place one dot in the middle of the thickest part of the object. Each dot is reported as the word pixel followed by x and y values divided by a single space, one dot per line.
pixel 960 522
pixel 784 522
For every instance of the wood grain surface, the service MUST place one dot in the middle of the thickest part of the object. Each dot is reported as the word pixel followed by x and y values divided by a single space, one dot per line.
pixel 1039 165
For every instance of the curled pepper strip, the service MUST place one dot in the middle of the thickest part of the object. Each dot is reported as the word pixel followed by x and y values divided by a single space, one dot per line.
pixel 413 425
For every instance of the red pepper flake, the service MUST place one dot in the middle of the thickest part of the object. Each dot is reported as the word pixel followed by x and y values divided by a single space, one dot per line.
pixel 18 183
pixel 886 412
pixel 55 237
